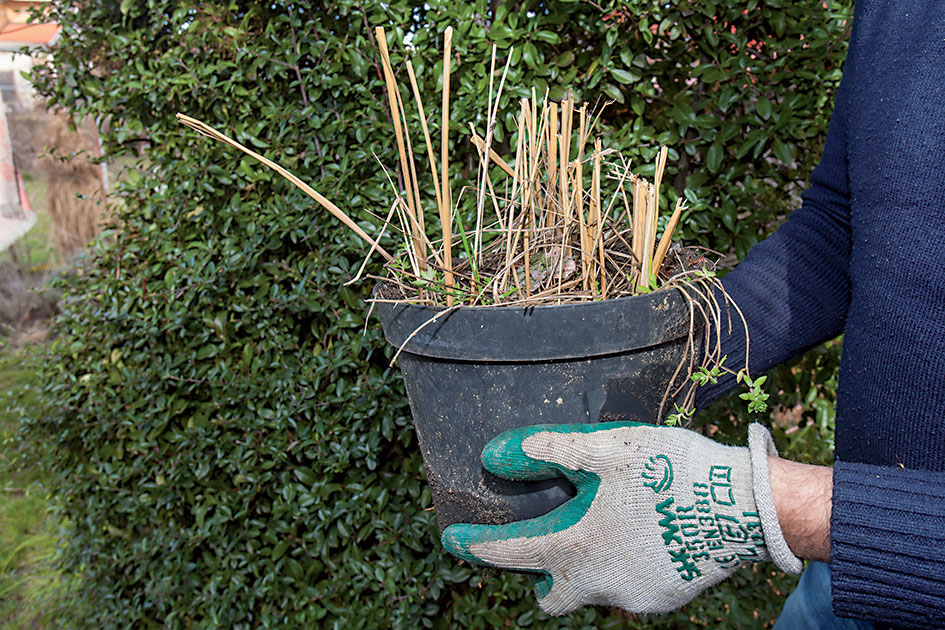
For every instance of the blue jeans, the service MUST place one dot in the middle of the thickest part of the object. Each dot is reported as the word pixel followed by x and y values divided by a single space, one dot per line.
pixel 808 607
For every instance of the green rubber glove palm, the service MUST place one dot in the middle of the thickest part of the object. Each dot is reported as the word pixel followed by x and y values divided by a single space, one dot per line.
pixel 661 514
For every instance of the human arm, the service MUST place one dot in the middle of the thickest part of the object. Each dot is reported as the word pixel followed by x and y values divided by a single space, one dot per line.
pixel 880 527
pixel 887 520
pixel 802 498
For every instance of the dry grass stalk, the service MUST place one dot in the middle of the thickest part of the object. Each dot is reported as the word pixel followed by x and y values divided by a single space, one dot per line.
pixel 495 157
pixel 426 134
pixel 446 218
pixel 337 212
pixel 406 164
pixel 667 234
pixel 484 189
pixel 597 243
pixel 551 154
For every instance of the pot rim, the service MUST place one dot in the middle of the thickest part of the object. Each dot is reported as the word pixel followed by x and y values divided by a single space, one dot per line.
pixel 547 332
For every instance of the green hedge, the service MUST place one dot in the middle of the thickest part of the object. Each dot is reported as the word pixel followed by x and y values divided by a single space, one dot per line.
pixel 227 447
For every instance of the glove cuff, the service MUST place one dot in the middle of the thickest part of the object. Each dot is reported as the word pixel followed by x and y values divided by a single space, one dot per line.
pixel 760 446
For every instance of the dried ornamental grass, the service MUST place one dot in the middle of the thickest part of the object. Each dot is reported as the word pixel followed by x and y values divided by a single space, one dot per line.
pixel 566 221
pixel 544 238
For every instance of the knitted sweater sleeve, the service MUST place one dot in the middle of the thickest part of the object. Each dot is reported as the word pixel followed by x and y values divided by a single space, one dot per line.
pixel 887 545
pixel 794 288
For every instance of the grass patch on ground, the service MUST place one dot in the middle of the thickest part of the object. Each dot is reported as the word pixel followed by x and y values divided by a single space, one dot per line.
pixel 36 245
pixel 27 531
pixel 29 585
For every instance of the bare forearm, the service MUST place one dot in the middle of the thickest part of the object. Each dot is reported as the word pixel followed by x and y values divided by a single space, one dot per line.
pixel 802 495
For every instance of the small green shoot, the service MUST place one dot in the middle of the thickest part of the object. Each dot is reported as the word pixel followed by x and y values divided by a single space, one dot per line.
pixel 469 255
pixel 705 376
pixel 681 416
pixel 651 285
pixel 705 274
pixel 428 276
pixel 755 396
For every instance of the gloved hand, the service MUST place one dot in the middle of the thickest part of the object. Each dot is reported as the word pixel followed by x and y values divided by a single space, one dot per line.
pixel 661 514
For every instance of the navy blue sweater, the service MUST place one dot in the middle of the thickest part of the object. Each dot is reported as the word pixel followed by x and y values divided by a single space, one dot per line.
pixel 865 256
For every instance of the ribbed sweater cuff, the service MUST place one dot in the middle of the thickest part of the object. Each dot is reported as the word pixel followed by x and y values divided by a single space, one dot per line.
pixel 887 545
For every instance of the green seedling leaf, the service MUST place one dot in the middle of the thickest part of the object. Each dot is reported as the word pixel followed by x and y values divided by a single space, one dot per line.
pixel 682 415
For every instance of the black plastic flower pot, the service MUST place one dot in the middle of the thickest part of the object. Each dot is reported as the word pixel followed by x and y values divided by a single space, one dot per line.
pixel 475 372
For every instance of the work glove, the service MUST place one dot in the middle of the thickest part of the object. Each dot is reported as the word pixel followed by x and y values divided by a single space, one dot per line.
pixel 661 513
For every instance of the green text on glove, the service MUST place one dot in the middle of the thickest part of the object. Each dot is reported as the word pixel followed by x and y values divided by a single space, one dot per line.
pixel 700 532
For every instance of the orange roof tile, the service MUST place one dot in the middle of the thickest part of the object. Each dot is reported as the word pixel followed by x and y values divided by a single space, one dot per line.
pixel 29 34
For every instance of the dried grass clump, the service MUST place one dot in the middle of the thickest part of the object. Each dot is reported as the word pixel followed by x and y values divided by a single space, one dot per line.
pixel 562 227
pixel 74 184
pixel 567 221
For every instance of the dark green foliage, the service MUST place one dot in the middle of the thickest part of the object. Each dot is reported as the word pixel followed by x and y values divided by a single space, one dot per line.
pixel 227 448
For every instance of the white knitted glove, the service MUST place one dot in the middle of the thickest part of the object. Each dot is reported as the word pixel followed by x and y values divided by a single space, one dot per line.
pixel 661 514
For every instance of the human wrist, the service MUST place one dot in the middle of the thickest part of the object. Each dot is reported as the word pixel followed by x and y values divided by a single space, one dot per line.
pixel 760 447
pixel 802 498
